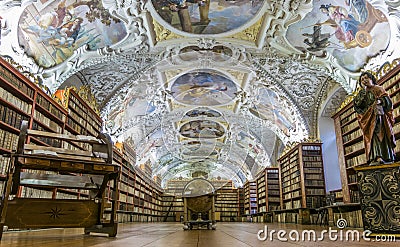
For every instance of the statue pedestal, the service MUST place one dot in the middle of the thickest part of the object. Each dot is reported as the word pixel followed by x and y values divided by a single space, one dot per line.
pixel 380 197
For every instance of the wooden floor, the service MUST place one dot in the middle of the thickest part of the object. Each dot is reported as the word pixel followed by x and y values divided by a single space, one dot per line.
pixel 172 235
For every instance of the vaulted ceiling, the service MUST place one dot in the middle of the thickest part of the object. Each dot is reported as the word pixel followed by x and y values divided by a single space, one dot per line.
pixel 212 87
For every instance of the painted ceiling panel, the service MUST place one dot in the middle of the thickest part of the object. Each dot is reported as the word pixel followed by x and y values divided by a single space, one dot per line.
pixel 206 16
pixel 350 30
pixel 50 31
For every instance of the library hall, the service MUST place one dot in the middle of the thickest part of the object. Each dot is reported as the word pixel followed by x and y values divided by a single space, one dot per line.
pixel 214 123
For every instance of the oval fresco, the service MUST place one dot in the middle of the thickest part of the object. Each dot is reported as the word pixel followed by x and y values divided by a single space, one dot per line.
pixel 350 30
pixel 199 149
pixel 202 129
pixel 200 112
pixel 267 107
pixel 51 32
pixel 205 88
pixel 206 16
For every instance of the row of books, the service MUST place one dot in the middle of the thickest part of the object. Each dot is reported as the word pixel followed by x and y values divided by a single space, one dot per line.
pixel 355 147
pixel 345 119
pixel 15 101
pixel 315 191
pixel 352 178
pixel 8 77
pixel 4 164
pixel 11 117
pixel 311 147
pixel 273 193
pixel 40 117
pixel 314 183
pixel 356 160
pixel 50 107
pixel 396 97
pixel 312 158
pixel 350 127
pixel 312 164
pixel 8 140
pixel 35 193
pixel 392 80
pixel 354 196
pixel 313 176
pixel 318 170
pixel 352 136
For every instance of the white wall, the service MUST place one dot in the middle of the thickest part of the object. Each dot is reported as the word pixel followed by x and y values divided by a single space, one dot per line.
pixel 329 151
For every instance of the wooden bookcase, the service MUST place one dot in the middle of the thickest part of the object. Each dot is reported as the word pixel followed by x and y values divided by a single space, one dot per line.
pixel 272 189
pixel 302 177
pixel 139 196
pixel 250 198
pixel 21 99
pixel 268 193
pixel 261 193
pixel 349 138
pixel 241 204
pixel 227 202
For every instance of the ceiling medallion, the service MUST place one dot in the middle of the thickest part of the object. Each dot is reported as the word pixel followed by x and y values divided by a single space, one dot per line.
pixel 203 88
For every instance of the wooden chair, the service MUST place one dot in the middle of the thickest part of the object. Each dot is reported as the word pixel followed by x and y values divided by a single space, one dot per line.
pixel 51 168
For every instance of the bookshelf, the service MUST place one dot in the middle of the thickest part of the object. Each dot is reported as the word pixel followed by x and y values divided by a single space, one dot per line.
pixel 140 198
pixel 22 100
pixel 241 204
pixel 268 193
pixel 227 202
pixel 261 194
pixel 302 177
pixel 272 189
pixel 349 137
pixel 250 199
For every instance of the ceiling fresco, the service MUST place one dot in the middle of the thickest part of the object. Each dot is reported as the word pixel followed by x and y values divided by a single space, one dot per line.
pixel 202 87
pixel 267 107
pixel 205 88
pixel 350 30
pixel 206 16
pixel 202 129
pixel 199 112
pixel 51 31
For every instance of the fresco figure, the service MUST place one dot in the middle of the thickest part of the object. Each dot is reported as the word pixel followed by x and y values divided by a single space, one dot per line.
pixel 59 27
pixel 346 24
pixel 375 117
pixel 69 32
pixel 360 7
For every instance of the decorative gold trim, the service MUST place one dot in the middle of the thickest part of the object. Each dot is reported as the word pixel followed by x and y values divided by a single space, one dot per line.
pixel 164 34
pixel 85 92
pixel 251 33
pixel 386 67
pixel 375 167
pixel 347 100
